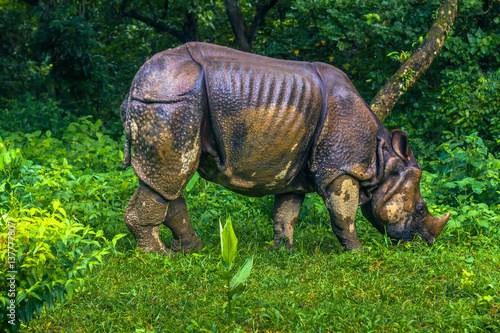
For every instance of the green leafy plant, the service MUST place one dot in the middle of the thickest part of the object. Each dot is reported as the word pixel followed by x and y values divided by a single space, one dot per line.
pixel 53 256
pixel 465 180
pixel 81 170
pixel 236 283
pixel 192 182
pixel 10 159
pixel 371 17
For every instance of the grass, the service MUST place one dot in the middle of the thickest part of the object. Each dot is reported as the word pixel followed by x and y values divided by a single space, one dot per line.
pixel 452 286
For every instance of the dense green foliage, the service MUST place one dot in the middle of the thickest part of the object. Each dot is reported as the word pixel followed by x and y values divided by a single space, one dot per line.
pixel 65 67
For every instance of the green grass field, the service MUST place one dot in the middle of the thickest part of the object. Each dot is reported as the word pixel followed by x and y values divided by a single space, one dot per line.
pixel 452 286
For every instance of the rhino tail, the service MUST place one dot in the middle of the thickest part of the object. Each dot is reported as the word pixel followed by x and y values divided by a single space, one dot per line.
pixel 126 153
pixel 127 149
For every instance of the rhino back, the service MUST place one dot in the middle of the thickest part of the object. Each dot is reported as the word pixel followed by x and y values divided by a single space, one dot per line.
pixel 264 114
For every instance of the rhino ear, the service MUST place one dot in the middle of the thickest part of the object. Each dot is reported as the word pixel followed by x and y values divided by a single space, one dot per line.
pixel 400 144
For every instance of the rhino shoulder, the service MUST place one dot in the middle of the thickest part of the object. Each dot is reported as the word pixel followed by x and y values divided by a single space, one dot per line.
pixel 348 139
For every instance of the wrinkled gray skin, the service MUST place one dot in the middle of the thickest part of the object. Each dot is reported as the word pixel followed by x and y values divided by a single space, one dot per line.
pixel 262 126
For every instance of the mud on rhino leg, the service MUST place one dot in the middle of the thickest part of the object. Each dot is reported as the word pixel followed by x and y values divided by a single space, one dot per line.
pixel 285 215
pixel 341 200
pixel 144 216
pixel 177 220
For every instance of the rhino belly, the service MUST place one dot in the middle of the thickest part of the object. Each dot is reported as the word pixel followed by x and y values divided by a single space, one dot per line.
pixel 262 178
pixel 262 123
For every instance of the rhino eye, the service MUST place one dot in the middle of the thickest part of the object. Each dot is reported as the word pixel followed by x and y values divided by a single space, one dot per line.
pixel 420 209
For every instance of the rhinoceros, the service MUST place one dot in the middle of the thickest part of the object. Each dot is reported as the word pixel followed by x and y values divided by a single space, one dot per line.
pixel 261 126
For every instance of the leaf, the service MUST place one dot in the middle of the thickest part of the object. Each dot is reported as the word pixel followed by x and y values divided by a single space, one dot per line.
pixel 192 182
pixel 494 36
pixel 229 242
pixel 242 274
pixel 7 158
pixel 236 290
pixel 116 238
pixel 62 211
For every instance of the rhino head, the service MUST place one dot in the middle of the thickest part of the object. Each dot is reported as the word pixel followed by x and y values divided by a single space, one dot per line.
pixel 396 207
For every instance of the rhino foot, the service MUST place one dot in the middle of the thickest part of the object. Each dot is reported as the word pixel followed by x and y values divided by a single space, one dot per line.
pixel 354 247
pixel 186 247
pixel 178 221
pixel 285 215
pixel 165 252
pixel 281 242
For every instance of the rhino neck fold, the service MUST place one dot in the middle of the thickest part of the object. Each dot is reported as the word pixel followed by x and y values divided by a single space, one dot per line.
pixel 321 120
pixel 384 161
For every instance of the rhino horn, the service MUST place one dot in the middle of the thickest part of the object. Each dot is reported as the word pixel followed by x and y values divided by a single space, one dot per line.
pixel 434 225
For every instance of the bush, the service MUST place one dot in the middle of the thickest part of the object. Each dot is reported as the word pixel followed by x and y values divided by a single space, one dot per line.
pixel 84 144
pixel 50 252
pixel 471 103
pixel 465 180
pixel 82 170
pixel 53 255
pixel 468 171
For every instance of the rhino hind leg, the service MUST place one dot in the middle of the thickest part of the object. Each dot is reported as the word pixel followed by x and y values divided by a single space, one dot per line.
pixel 177 220
pixel 144 215
pixel 285 215
pixel 341 198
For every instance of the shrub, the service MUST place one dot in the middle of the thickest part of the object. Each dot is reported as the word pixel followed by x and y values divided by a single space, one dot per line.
pixel 82 170
pixel 471 103
pixel 465 179
pixel 84 144
pixel 53 255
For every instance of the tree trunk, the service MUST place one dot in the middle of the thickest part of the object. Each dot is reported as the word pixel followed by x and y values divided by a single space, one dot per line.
pixel 406 76
pixel 238 24
pixel 244 34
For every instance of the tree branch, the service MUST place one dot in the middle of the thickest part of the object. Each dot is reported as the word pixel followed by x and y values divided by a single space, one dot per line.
pixel 165 9
pixel 152 9
pixel 158 25
pixel 406 76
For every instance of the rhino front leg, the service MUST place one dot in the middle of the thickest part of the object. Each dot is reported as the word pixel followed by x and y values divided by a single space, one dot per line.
pixel 177 220
pixel 144 216
pixel 285 216
pixel 341 200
